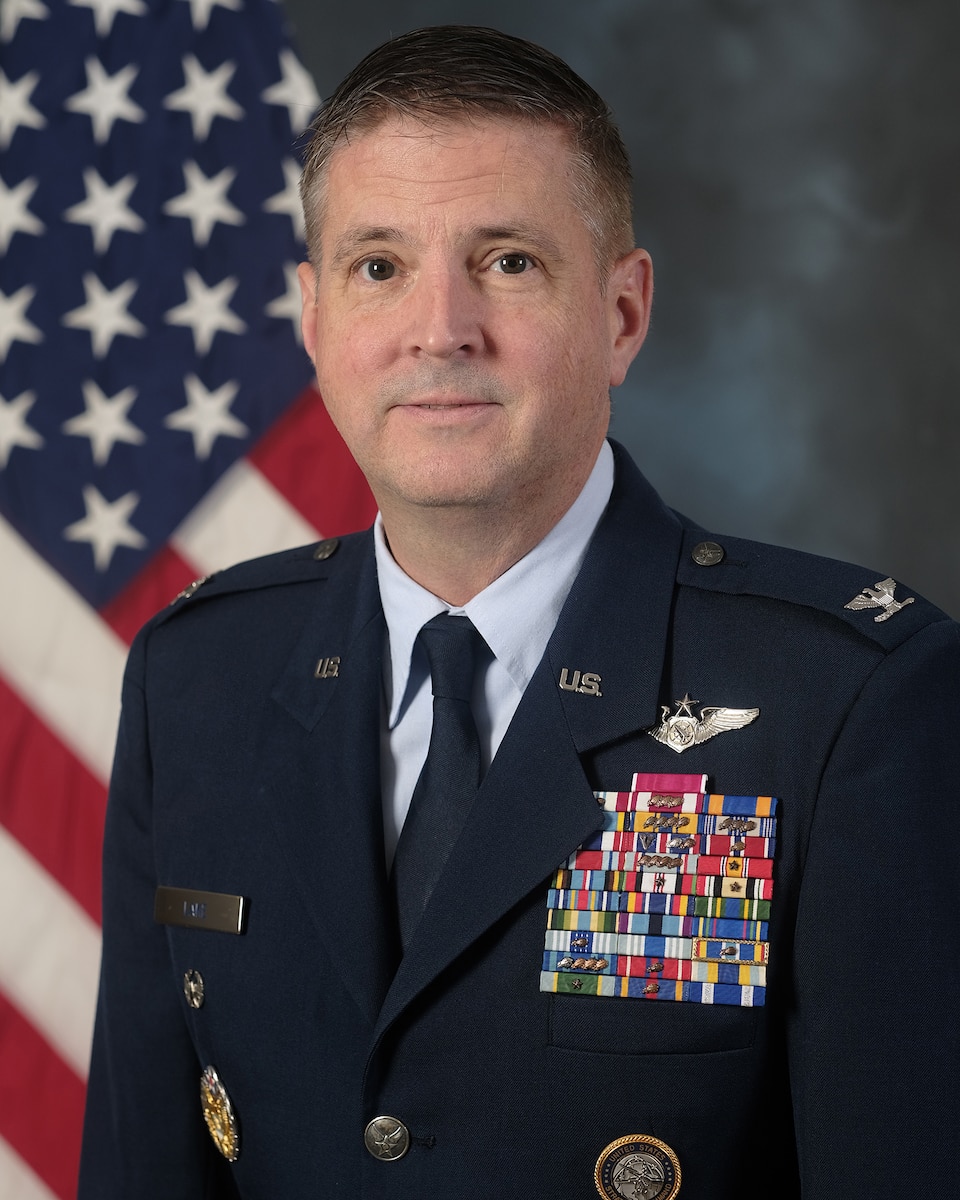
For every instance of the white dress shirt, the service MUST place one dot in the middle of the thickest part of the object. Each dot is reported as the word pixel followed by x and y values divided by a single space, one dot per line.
pixel 515 615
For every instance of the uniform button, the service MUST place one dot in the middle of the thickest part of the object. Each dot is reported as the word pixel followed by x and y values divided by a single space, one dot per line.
pixel 707 554
pixel 325 548
pixel 387 1138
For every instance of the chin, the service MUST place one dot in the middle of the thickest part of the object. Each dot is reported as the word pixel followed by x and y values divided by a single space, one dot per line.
pixel 433 495
pixel 444 484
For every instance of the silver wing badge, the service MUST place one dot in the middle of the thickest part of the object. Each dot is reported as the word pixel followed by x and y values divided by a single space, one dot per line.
pixel 683 730
pixel 880 596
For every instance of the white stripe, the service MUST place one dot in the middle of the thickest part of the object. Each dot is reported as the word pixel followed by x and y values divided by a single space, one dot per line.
pixel 242 516
pixel 49 954
pixel 57 653
pixel 17 1181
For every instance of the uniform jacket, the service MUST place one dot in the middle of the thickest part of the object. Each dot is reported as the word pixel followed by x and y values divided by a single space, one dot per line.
pixel 242 770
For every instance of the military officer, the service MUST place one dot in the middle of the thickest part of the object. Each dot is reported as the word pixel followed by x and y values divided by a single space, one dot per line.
pixel 536 842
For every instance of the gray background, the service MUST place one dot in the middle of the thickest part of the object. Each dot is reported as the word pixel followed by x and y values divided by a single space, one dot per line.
pixel 796 168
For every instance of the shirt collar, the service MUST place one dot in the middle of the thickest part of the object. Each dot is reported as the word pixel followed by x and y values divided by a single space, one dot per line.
pixel 515 614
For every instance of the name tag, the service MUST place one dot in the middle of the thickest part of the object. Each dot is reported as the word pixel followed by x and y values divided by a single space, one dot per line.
pixel 199 910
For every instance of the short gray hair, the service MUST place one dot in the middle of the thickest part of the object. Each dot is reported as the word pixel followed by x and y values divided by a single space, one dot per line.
pixel 456 72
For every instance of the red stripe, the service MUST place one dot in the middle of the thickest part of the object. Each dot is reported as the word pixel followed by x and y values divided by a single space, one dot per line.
pixel 152 589
pixel 50 802
pixel 41 1103
pixel 306 460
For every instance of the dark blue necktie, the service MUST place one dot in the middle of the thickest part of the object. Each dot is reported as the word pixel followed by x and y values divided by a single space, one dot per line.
pixel 451 773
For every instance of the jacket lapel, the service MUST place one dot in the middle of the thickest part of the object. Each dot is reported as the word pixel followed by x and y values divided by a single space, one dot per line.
pixel 616 622
pixel 536 804
pixel 325 797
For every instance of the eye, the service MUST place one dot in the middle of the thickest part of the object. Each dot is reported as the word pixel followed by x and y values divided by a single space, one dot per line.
pixel 377 269
pixel 513 264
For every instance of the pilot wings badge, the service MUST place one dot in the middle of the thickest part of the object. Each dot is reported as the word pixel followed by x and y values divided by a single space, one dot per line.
pixel 683 730
pixel 880 596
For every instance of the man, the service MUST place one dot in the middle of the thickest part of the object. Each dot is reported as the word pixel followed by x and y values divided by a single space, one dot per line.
pixel 694 931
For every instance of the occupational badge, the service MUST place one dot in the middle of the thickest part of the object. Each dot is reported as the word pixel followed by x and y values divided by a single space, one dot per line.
pixel 219 1115
pixel 881 595
pixel 682 729
pixel 637 1167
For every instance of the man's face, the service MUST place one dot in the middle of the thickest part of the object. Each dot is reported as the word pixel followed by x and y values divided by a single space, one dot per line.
pixel 462 340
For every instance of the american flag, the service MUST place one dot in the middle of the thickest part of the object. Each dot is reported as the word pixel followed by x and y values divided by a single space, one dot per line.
pixel 156 423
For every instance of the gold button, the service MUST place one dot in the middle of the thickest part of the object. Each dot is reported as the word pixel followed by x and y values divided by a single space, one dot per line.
pixel 707 554
pixel 387 1138
pixel 325 548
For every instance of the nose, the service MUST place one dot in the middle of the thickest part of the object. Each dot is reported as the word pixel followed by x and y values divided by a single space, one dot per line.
pixel 445 311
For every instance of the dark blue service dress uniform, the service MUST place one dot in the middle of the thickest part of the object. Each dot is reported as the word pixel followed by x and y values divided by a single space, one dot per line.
pixel 248 766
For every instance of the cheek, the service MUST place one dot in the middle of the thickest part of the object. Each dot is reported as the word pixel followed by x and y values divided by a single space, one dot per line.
pixel 353 347
pixel 573 353
pixel 336 356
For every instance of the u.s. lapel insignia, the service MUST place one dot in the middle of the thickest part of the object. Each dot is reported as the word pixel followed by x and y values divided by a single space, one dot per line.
pixel 219 1115
pixel 881 595
pixel 683 730
pixel 637 1165
pixel 587 683
pixel 327 668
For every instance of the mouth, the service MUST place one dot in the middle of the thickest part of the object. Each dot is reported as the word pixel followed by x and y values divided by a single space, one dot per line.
pixel 452 409
pixel 446 408
pixel 444 402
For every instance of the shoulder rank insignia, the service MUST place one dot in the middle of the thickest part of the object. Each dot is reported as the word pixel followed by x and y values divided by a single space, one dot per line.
pixel 191 588
pixel 683 729
pixel 880 596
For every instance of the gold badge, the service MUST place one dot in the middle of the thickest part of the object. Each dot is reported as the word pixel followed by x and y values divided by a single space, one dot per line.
pixel 219 1116
pixel 637 1167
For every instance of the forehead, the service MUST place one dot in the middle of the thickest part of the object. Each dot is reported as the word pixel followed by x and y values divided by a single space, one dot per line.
pixel 437 165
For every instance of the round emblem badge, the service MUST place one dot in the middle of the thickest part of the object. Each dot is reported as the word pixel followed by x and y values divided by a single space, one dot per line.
pixel 219 1116
pixel 637 1167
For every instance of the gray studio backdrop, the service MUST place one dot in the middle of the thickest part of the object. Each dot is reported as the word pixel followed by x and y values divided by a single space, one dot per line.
pixel 797 171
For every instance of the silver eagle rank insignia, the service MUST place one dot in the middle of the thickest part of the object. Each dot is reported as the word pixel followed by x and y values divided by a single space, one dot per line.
pixel 683 730
pixel 881 595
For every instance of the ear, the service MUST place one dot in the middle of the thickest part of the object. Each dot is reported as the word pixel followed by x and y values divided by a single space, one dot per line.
pixel 629 296
pixel 308 316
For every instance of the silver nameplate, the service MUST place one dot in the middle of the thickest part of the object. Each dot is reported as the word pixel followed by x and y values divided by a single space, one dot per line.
pixel 199 910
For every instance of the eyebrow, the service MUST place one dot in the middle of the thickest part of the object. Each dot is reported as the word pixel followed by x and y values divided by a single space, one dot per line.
pixel 531 235
pixel 354 241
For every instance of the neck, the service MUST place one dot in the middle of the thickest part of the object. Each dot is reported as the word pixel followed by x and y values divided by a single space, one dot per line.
pixel 456 552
